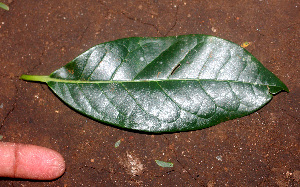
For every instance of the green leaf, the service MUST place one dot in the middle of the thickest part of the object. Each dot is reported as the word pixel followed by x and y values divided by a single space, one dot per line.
pixel 117 144
pixel 4 6
pixel 164 84
pixel 164 164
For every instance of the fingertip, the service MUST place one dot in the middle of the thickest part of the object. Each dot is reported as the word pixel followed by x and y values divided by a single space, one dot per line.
pixel 39 163
pixel 34 162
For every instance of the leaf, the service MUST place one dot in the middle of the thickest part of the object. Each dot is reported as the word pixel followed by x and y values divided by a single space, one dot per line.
pixel 4 6
pixel 117 144
pixel 164 84
pixel 164 164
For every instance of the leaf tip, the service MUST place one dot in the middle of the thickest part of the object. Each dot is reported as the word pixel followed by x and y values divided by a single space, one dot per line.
pixel 286 89
pixel 275 89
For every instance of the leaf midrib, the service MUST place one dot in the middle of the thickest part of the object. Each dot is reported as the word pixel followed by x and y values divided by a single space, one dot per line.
pixel 46 79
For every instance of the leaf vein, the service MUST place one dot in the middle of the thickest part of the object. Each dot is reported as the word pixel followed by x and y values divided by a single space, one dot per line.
pixel 103 92
pixel 184 57
pixel 235 96
pixel 171 100
pixel 124 59
pixel 155 58
pixel 85 65
pixel 97 65
pixel 215 108
pixel 137 103
pixel 223 65
pixel 88 100
pixel 242 71
pixel 177 104
pixel 77 105
pixel 204 65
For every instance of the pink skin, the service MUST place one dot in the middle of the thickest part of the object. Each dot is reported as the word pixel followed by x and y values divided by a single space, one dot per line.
pixel 30 162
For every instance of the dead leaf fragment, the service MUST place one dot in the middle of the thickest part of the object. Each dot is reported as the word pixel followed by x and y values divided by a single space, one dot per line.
pixel 164 164
pixel 246 44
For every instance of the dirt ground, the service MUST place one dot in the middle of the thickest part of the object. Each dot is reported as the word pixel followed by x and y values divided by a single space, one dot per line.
pixel 38 37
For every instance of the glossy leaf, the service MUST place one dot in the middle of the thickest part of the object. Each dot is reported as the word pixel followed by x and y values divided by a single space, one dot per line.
pixel 164 84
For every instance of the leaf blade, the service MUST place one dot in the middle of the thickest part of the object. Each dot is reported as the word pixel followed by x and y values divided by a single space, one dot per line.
pixel 165 84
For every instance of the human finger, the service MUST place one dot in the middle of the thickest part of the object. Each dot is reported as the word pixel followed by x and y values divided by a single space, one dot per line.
pixel 30 162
